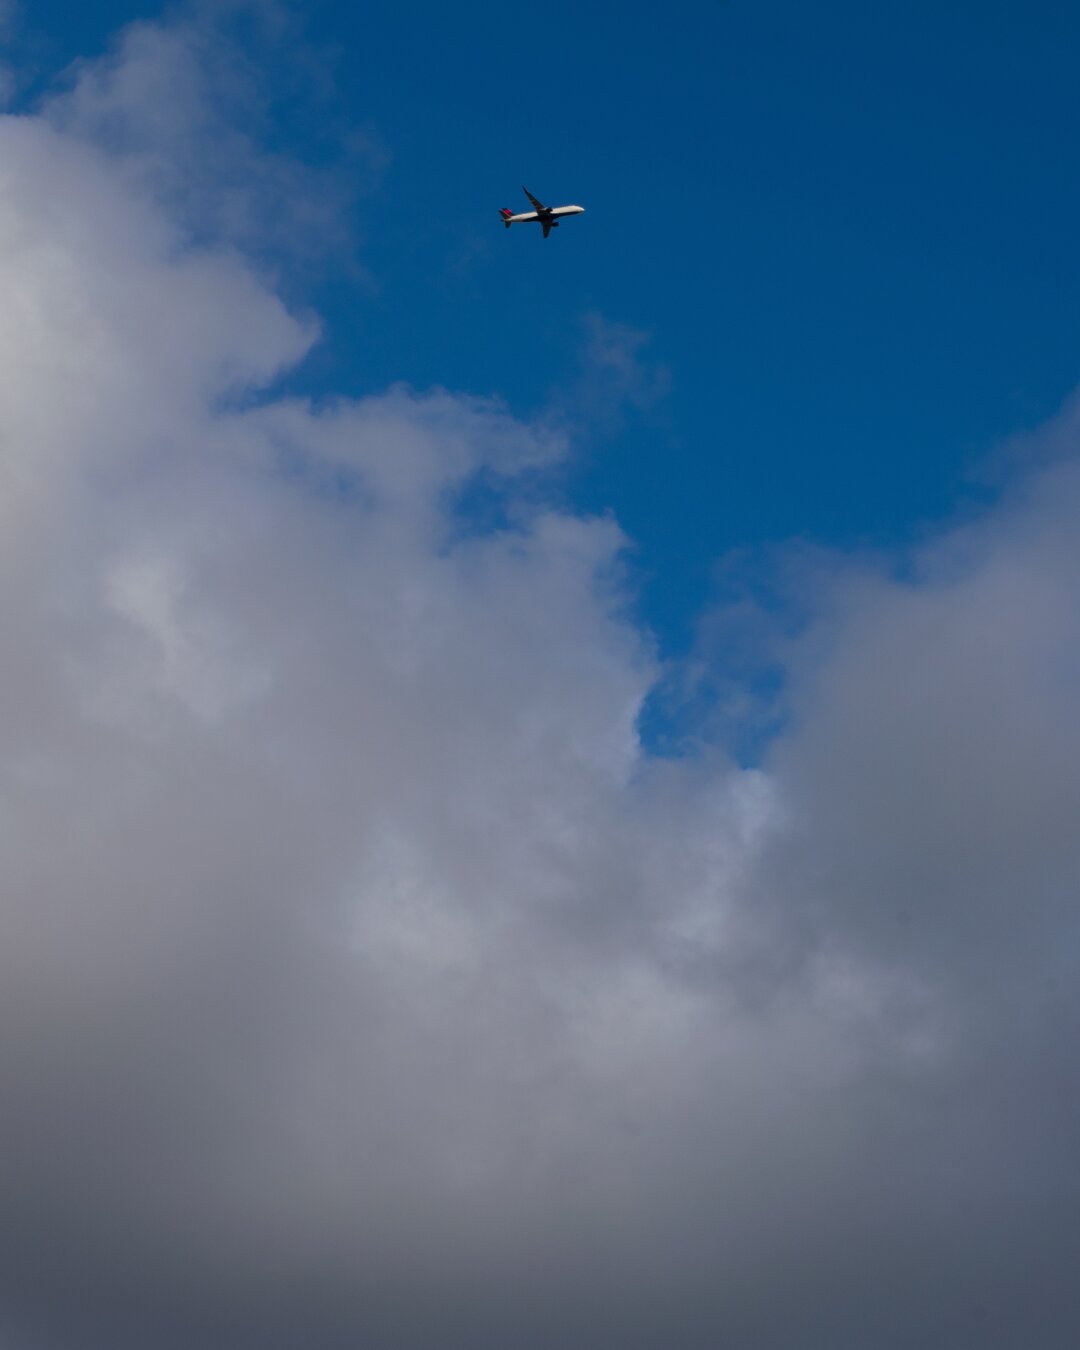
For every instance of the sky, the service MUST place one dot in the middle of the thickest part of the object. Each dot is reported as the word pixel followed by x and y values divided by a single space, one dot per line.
pixel 844 232
pixel 539 779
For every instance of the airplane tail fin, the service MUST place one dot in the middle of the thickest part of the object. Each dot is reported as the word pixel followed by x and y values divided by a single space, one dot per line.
pixel 506 213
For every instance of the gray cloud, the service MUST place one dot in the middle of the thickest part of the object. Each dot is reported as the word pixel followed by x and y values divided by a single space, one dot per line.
pixel 361 978
pixel 185 113
pixel 617 378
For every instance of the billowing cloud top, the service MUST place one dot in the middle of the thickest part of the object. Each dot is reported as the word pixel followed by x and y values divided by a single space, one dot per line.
pixel 364 981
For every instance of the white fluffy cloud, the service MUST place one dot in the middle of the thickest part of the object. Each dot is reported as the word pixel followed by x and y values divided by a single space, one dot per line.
pixel 362 977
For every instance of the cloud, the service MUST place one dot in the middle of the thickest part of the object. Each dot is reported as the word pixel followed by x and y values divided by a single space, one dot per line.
pixel 617 378
pixel 361 977
pixel 184 110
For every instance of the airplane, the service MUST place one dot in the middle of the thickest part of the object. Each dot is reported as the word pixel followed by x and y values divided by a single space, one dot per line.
pixel 544 215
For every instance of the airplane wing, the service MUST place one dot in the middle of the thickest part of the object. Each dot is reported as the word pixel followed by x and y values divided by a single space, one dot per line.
pixel 538 206
pixel 546 226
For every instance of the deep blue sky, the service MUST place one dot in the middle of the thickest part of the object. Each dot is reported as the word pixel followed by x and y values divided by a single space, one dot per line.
pixel 850 231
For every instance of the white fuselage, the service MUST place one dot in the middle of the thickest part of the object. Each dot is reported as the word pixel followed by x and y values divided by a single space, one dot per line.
pixel 552 214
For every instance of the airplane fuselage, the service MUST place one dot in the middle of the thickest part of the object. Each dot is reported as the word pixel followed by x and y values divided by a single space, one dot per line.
pixel 551 214
pixel 547 217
